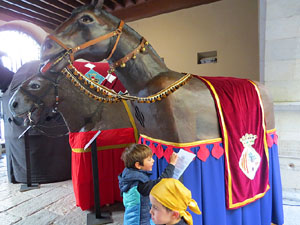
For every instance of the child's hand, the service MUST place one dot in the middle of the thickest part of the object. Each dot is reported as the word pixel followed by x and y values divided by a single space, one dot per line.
pixel 173 158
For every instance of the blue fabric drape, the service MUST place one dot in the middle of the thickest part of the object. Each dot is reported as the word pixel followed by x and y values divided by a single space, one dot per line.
pixel 207 184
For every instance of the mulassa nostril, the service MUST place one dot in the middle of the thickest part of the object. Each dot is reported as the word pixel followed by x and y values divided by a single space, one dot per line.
pixel 15 104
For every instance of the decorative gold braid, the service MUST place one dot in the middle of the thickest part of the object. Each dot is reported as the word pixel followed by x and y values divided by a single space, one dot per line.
pixel 67 53
pixel 111 96
pixel 166 91
pixel 131 55
pixel 74 80
pixel 92 84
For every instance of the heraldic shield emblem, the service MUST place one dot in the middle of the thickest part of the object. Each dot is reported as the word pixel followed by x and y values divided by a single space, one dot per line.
pixel 250 159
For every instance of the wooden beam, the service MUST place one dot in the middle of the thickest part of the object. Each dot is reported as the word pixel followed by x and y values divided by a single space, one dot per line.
pixel 72 3
pixel 28 13
pixel 84 2
pixel 121 2
pixel 59 5
pixel 109 4
pixel 27 18
pixel 24 5
pixel 49 8
pixel 154 7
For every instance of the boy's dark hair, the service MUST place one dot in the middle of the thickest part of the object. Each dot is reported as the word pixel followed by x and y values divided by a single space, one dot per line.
pixel 135 153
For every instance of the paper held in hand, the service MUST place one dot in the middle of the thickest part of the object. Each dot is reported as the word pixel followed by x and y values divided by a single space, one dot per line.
pixel 184 159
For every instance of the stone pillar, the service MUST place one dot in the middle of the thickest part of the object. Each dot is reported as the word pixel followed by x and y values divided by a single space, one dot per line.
pixel 281 75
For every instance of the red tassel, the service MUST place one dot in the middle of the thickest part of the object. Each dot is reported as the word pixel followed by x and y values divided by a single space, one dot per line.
pixel 203 153
pixel 159 151
pixel 153 148
pixel 269 140
pixel 168 152
pixel 217 151
pixel 275 139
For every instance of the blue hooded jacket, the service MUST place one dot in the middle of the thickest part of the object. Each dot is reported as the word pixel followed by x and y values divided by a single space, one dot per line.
pixel 137 206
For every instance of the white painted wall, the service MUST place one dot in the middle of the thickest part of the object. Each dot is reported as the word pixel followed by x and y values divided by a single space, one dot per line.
pixel 228 26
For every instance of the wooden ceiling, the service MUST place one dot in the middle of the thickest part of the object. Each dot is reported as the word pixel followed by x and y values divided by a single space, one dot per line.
pixel 51 13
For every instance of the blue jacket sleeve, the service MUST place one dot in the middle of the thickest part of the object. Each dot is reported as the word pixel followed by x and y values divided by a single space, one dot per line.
pixel 145 188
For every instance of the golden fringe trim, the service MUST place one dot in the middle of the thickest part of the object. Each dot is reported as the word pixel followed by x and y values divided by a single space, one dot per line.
pixel 189 144
pixel 110 95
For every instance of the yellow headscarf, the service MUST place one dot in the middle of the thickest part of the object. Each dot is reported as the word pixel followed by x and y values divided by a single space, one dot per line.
pixel 174 195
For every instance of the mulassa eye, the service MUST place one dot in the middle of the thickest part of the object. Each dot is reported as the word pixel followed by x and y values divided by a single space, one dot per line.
pixel 86 19
pixel 34 86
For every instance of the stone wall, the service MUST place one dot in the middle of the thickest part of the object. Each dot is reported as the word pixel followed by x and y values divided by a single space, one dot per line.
pixel 281 19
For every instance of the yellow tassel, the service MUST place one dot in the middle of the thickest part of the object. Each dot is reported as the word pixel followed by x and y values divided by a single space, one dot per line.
pixel 111 70
pixel 123 65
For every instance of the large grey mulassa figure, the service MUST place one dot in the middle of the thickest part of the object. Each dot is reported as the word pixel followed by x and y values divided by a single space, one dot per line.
pixel 49 147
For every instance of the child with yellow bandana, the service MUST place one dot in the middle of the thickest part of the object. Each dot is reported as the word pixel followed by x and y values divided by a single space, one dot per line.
pixel 135 184
pixel 170 199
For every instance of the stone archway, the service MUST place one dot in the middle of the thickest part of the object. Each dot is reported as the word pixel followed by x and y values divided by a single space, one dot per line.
pixel 21 41
pixel 36 32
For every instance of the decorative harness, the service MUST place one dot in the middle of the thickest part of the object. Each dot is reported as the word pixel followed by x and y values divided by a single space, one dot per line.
pixel 38 103
pixel 110 95
pixel 38 100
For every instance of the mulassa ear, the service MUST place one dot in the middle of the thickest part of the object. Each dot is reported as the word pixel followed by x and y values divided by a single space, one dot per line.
pixel 97 3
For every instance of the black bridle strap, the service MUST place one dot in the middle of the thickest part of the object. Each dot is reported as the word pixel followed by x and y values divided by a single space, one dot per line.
pixel 38 100
pixel 55 85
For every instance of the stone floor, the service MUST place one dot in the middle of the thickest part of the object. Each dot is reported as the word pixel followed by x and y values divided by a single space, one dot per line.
pixel 50 204
pixel 54 204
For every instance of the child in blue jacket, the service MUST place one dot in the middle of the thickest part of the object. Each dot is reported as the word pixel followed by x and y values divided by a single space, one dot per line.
pixel 135 183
